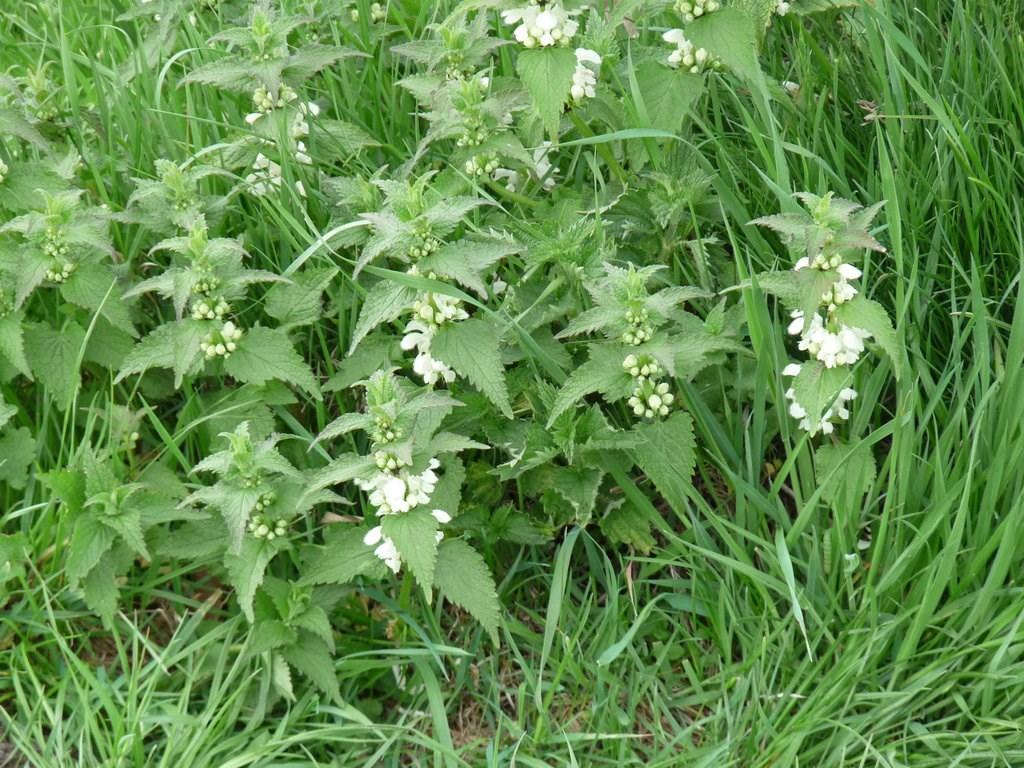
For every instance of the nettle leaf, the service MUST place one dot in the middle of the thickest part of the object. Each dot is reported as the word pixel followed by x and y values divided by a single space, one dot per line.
pixel 731 35
pixel 93 286
pixel 579 487
pixel 384 302
pixel 12 344
pixel 14 124
pixel 547 74
pixel 347 422
pixel 68 485
pixel 862 312
pixel 343 469
pixel 17 451
pixel 591 320
pixel 246 570
pixel 299 302
pixel 413 535
pixel 601 373
pixel 99 587
pixel 343 557
pixel 667 94
pixel 90 540
pixel 172 345
pixel 627 525
pixel 816 387
pixel 845 473
pixel 668 456
pixel 800 290
pixel 464 261
pixel 312 658
pixel 471 347
pixel 53 356
pixel 265 354
pixel 462 577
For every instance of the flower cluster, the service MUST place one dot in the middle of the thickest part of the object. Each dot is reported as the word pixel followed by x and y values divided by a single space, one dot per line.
pixel 827 339
pixel 262 527
pixel 223 342
pixel 584 79
pixel 59 273
pixel 651 397
pixel 639 328
pixel 203 309
pixel 395 491
pixel 687 55
pixel 694 9
pixel 430 312
pixel 264 101
pixel 3 171
pixel 541 24
pixel 782 7
pixel 835 412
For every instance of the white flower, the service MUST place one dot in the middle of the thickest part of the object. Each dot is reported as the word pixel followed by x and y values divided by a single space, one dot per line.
pixel 694 9
pixel 385 550
pixel 396 493
pixel 836 412
pixel 544 27
pixel 3 170
pixel 265 176
pixel 385 547
pixel 686 54
pixel 584 79
pixel 841 347
pixel 782 7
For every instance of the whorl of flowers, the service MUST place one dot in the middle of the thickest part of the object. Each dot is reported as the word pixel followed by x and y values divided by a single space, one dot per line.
pixel 782 7
pixel 394 490
pixel 3 171
pixel 584 79
pixel 541 24
pixel 651 398
pixel 827 339
pixel 687 55
pixel 222 342
pixel 430 311
pixel 694 9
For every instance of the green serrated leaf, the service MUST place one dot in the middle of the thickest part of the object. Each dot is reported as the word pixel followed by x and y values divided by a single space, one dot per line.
pixel 246 570
pixel 462 577
pixel 90 540
pixel 667 456
pixel 547 74
pixel 53 357
pixel 172 345
pixel 17 452
pixel 343 557
pixel 99 587
pixel 601 373
pixel 413 535
pixel 627 525
pixel 265 354
pixel 383 303
pixel 299 302
pixel 862 312
pixel 312 658
pixel 12 345
pixel 731 35
pixel 94 287
pixel 816 387
pixel 667 94
pixel 845 473
pixel 472 348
